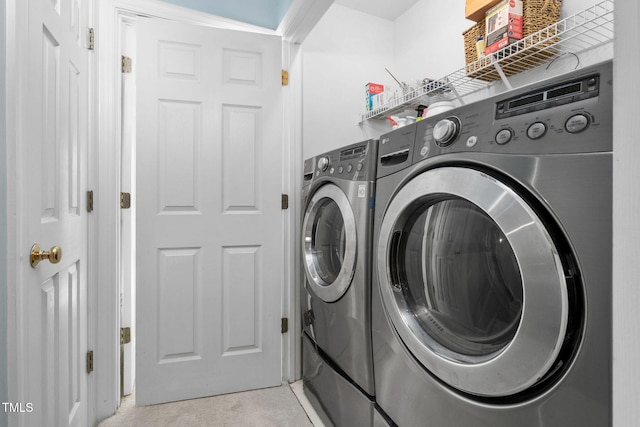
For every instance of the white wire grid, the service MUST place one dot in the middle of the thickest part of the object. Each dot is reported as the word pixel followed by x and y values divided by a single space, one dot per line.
pixel 585 30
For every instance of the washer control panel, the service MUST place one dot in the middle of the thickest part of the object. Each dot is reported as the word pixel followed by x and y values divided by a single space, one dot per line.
pixel 355 162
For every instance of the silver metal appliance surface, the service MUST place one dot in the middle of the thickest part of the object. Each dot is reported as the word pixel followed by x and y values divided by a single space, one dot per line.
pixel 336 400
pixel 337 227
pixel 492 260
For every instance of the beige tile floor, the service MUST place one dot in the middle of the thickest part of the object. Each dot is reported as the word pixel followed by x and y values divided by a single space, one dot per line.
pixel 284 406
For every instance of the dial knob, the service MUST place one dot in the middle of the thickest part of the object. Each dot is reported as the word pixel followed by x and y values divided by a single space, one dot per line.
pixel 323 163
pixel 446 130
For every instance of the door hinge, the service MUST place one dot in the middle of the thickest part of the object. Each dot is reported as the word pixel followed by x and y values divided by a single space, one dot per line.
pixel 126 64
pixel 90 201
pixel 89 361
pixel 285 201
pixel 125 335
pixel 285 78
pixel 284 325
pixel 91 39
pixel 125 200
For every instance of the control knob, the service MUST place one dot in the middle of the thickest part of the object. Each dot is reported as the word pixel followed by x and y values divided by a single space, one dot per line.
pixel 323 163
pixel 446 130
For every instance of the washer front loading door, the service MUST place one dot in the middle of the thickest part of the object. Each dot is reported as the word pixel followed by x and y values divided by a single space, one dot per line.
pixel 329 243
pixel 472 282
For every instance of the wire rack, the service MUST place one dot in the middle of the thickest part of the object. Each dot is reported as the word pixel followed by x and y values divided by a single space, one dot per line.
pixel 585 30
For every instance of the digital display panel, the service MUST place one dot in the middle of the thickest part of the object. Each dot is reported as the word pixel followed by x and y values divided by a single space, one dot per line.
pixel 549 97
pixel 526 100
pixel 566 90
pixel 352 153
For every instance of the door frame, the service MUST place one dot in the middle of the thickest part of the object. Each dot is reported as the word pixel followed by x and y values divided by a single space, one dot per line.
pixel 105 169
pixel 16 42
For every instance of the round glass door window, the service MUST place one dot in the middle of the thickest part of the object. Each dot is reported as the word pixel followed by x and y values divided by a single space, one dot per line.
pixel 461 279
pixel 472 282
pixel 329 243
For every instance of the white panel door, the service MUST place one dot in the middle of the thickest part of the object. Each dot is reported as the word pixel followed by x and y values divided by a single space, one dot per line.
pixel 54 173
pixel 209 220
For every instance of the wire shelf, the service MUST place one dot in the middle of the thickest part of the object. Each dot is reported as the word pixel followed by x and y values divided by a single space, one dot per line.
pixel 587 29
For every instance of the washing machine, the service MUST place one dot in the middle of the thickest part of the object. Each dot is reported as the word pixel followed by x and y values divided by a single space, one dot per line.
pixel 493 247
pixel 337 227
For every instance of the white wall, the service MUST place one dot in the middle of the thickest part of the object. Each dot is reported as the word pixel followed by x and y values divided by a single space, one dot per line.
pixel 626 204
pixel 3 219
pixel 428 39
pixel 344 51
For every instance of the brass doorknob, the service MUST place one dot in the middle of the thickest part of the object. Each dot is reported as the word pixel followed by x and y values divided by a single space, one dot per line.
pixel 54 255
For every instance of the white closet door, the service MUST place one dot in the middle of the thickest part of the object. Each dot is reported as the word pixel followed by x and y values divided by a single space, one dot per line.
pixel 53 176
pixel 209 220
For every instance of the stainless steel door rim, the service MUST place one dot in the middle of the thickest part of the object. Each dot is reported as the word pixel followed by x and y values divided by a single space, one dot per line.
pixel 329 290
pixel 543 320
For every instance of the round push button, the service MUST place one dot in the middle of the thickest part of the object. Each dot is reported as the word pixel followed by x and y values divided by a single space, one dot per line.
pixel 349 168
pixel 472 141
pixel 359 167
pixel 536 130
pixel 576 123
pixel 503 136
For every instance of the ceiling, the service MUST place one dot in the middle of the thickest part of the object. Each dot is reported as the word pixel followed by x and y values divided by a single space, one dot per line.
pixel 269 13
pixel 387 9
pixel 263 13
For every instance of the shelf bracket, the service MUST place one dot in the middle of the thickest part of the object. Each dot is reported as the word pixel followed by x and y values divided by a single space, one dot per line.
pixel 498 68
pixel 455 92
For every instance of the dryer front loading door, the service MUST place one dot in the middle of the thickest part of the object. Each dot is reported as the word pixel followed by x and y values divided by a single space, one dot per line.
pixel 472 281
pixel 329 243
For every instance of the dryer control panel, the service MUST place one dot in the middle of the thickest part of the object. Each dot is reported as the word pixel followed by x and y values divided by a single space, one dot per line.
pixel 566 114
pixel 551 96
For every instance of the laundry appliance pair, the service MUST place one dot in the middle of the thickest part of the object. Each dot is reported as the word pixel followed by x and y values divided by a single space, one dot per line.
pixel 489 277
pixel 493 261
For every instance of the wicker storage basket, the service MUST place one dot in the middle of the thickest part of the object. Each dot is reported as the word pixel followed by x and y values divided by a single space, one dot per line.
pixel 536 15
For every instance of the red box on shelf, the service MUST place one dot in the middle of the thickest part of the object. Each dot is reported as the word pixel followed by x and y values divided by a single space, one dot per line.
pixel 373 95
pixel 503 25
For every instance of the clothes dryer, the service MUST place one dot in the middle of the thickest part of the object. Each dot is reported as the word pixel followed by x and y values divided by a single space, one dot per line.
pixel 337 228
pixel 493 248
